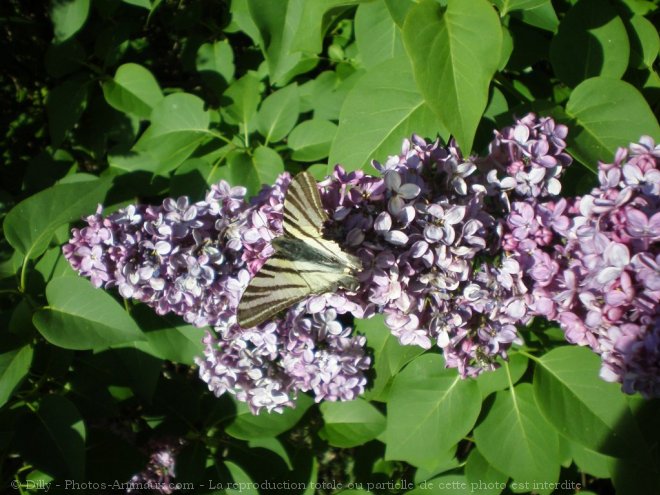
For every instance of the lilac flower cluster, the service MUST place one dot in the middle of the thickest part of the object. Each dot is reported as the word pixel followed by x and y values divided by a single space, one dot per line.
pixel 593 264
pixel 158 474
pixel 195 260
pixel 429 230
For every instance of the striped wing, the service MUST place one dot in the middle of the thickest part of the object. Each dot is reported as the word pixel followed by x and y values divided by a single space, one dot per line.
pixel 304 262
pixel 303 212
pixel 282 283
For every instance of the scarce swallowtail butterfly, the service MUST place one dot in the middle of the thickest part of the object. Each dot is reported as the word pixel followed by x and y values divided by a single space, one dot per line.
pixel 304 262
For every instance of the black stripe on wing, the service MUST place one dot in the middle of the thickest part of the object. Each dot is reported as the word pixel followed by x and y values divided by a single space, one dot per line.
pixel 303 212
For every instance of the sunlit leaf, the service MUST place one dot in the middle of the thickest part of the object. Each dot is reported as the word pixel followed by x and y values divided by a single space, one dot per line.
pixel 79 316
pixel 454 52
pixel 30 225
pixel 515 438
pixel 378 113
pixel 133 90
pixel 68 17
pixel 429 409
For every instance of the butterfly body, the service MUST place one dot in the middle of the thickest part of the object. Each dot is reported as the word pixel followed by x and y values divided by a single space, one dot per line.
pixel 304 263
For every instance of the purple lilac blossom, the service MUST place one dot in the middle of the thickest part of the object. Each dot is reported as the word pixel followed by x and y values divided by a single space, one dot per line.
pixel 424 230
pixel 157 476
pixel 593 264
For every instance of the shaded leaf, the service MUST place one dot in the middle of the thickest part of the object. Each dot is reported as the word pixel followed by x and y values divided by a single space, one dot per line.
pixel 317 16
pixel 14 366
pixel 352 423
pixel 53 438
pixel 168 337
pixel 644 41
pixel 64 106
pixel 591 41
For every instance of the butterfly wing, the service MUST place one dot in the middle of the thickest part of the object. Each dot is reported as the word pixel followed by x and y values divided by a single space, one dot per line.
pixel 275 287
pixel 303 212
pixel 304 262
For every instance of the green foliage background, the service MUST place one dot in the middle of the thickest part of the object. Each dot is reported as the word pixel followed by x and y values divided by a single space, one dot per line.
pixel 117 102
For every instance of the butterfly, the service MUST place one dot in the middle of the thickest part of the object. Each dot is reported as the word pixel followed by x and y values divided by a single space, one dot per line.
pixel 304 262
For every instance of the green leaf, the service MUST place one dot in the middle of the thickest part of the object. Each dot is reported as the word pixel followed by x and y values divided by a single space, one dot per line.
pixel 389 356
pixel 279 113
pixel 607 113
pixel 244 95
pixel 507 6
pixel 378 113
pixel 644 42
pixel 142 369
pixel 317 16
pixel 326 94
pixel 592 462
pixel 64 106
pixel 483 476
pixel 543 16
pixel 217 58
pixel 516 440
pixel 14 367
pixel 30 225
pixel 145 4
pixel 311 140
pixel 242 483
pixel 429 409
pixel 377 36
pixel 68 17
pixel 65 58
pixel 591 41
pixel 447 484
pixel 168 337
pixel 253 171
pixel 133 90
pixel 53 438
pixel 507 375
pixel 247 426
pixel 277 23
pixel 454 53
pixel 580 405
pixel 349 424
pixel 80 316
pixel 399 10
pixel 275 446
pixel 179 124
